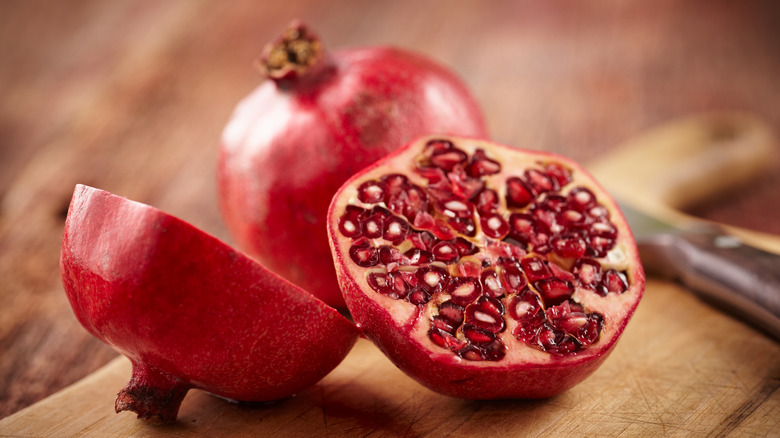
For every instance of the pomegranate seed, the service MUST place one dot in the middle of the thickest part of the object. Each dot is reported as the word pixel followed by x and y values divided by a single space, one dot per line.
pixel 419 296
pixel 464 290
pixel 518 194
pixel 432 174
pixel 444 339
pixel 372 226
pixel 556 341
pixel 583 327
pixel 615 281
pixel 581 199
pixel 554 203
pixel 512 277
pixel 540 182
pixel 396 230
pixel 398 284
pixel 521 227
pixel 589 333
pixel 418 256
pixel 599 212
pixel 408 200
pixel 416 201
pixel 350 221
pixel 569 245
pixel 443 231
pixel 424 221
pixel 491 284
pixel 603 228
pixel 438 146
pixel 448 159
pixel 423 240
pixel 443 325
pixel 465 226
pixel 492 352
pixel 486 313
pixel 363 253
pixel 451 313
pixel 464 246
pixel 493 225
pixel 543 216
pixel 588 273
pixel 434 279
pixel 462 185
pixel 388 255
pixel 486 201
pixel 572 219
pixel 559 173
pixel 457 208
pixel 599 246
pixel 468 268
pixel 526 308
pixel 528 332
pixel 440 191
pixel 554 290
pixel 445 252
pixel 478 335
pixel 371 192
pixel 535 269
pixel 379 282
pixel 480 165
pixel 525 305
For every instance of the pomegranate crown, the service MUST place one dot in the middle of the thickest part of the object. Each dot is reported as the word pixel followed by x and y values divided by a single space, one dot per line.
pixel 291 55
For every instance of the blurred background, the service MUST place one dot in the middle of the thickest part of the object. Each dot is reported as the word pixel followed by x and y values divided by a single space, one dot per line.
pixel 131 97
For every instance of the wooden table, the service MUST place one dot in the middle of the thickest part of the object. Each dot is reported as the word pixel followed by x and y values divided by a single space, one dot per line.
pixel 131 97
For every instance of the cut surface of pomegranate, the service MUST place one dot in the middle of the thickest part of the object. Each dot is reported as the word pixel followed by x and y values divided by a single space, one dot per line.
pixel 319 117
pixel 189 311
pixel 491 272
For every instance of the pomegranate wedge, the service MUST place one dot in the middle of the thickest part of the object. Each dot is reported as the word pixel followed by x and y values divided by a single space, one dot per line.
pixel 189 311
pixel 485 271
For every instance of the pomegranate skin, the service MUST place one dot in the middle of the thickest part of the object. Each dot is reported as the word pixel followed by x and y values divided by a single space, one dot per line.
pixel 189 311
pixel 294 140
pixel 401 329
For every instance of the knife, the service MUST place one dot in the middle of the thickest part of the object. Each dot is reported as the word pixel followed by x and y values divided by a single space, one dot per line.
pixel 738 278
pixel 658 175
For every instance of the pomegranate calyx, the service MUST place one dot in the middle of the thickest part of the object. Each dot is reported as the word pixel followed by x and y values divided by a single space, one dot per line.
pixel 293 55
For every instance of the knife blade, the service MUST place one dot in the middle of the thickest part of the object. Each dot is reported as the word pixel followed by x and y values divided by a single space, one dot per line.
pixel 740 279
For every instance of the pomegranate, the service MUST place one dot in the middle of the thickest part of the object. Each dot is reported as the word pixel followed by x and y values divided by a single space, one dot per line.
pixel 189 311
pixel 317 119
pixel 484 271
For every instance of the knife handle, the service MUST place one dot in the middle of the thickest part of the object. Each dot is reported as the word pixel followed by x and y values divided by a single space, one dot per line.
pixel 742 280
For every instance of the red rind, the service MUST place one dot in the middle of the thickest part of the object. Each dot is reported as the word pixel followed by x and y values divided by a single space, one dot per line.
pixel 178 302
pixel 288 148
pixel 400 331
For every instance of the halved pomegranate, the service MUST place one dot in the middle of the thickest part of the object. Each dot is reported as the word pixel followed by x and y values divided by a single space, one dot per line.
pixel 485 271
pixel 189 311
pixel 318 118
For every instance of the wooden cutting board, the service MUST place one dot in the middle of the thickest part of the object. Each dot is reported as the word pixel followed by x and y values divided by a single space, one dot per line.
pixel 681 368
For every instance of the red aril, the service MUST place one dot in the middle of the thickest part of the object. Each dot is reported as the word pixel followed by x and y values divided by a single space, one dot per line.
pixel 189 311
pixel 318 118
pixel 539 278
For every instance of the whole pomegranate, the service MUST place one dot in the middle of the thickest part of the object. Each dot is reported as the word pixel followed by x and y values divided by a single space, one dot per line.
pixel 317 119
pixel 190 312
pixel 485 271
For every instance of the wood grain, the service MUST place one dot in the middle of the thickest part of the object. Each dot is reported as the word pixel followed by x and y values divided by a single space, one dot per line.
pixel 131 97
